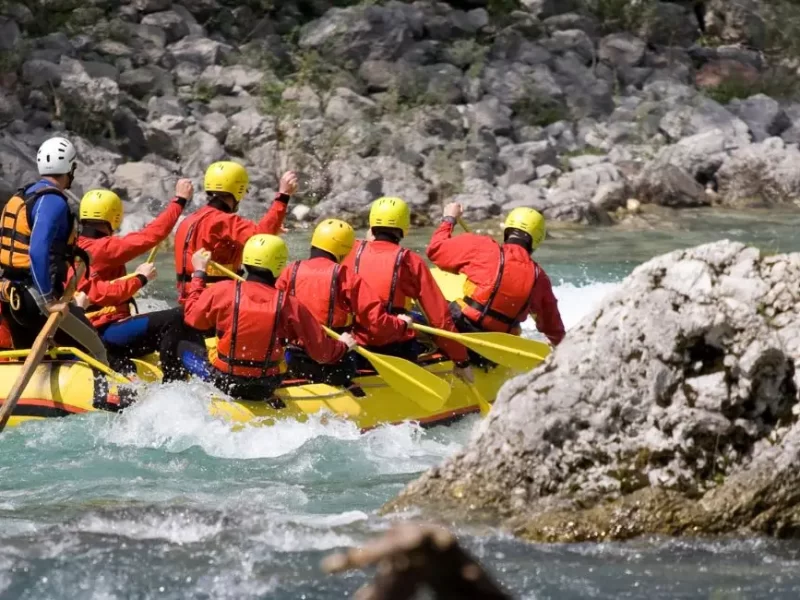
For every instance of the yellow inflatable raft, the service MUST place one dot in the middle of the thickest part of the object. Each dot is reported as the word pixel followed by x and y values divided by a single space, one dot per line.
pixel 62 386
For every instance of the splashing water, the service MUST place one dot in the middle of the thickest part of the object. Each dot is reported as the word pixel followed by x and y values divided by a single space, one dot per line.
pixel 165 501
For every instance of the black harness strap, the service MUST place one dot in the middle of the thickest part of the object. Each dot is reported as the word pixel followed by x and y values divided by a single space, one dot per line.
pixel 359 252
pixel 390 307
pixel 332 296
pixel 293 277
pixel 267 359
pixel 235 325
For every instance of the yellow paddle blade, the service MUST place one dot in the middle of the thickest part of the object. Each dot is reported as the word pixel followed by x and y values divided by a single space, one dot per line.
pixel 502 348
pixel 482 402
pixel 412 381
pixel 451 284
pixel 147 371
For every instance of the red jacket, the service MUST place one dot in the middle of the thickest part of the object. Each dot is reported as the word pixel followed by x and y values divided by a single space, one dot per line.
pixel 338 297
pixel 399 276
pixel 253 321
pixel 224 234
pixel 109 298
pixel 477 257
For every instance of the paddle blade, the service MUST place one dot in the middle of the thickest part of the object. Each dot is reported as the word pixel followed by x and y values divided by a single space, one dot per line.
pixel 508 350
pixel 414 382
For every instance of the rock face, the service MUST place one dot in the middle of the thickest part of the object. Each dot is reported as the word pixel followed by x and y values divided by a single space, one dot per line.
pixel 673 409
pixel 496 104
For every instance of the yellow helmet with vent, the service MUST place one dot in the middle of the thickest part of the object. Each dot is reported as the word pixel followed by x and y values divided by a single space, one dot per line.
pixel 530 221
pixel 334 236
pixel 265 251
pixel 229 177
pixel 102 205
pixel 390 212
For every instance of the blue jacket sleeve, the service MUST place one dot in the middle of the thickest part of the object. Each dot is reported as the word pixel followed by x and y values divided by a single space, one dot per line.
pixel 50 225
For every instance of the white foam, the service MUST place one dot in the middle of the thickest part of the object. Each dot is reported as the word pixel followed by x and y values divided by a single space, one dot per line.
pixel 178 528
pixel 574 303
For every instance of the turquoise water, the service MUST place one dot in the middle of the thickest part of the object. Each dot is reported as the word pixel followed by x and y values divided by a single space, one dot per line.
pixel 166 502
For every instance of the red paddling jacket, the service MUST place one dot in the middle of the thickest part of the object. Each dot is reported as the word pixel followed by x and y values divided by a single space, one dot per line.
pixel 339 299
pixel 110 299
pixel 253 321
pixel 504 284
pixel 399 276
pixel 224 234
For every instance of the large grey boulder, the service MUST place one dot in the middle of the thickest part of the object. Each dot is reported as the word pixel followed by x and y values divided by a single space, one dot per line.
pixel 670 409
pixel 173 24
pixel 143 181
pixel 763 115
pixel 699 115
pixel 765 173
pixel 359 33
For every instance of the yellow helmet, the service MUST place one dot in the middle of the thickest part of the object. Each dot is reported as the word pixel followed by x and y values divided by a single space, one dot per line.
pixel 390 212
pixel 102 205
pixel 266 252
pixel 227 176
pixel 334 236
pixel 528 220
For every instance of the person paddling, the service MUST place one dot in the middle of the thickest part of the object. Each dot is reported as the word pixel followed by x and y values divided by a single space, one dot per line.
pixel 219 229
pixel 504 284
pixel 339 299
pixel 37 248
pixel 400 277
pixel 110 292
pixel 253 320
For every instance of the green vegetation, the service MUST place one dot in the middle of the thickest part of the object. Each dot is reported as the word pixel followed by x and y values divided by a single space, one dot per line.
pixel 778 83
pixel 619 15
pixel 203 92
pixel 539 111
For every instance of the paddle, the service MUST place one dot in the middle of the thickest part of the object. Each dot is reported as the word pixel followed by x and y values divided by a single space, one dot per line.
pixel 502 348
pixel 39 348
pixel 414 382
pixel 150 259
pixel 482 403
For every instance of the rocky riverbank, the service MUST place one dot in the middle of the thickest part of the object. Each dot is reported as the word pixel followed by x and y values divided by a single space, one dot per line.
pixel 583 109
pixel 673 409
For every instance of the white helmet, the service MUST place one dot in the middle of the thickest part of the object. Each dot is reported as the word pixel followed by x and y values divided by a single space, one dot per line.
pixel 57 156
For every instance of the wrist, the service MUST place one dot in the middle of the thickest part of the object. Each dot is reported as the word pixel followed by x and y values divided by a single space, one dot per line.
pixel 181 201
pixel 281 197
pixel 199 274
pixel 142 279
pixel 449 219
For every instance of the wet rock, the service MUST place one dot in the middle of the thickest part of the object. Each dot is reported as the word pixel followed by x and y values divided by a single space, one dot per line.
pixel 684 424
pixel 760 174
pixel 669 185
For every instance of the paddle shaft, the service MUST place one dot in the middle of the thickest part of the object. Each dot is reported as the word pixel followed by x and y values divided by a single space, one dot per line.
pixel 150 259
pixel 466 340
pixel 39 348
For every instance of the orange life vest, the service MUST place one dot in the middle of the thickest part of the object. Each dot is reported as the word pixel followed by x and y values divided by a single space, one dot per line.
pixel 186 244
pixel 242 351
pixel 504 305
pixel 381 270
pixel 315 277
pixel 15 232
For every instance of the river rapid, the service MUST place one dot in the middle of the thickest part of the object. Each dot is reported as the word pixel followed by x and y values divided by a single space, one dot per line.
pixel 165 502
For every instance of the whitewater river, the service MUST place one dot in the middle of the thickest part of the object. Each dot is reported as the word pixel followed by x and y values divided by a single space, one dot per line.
pixel 164 502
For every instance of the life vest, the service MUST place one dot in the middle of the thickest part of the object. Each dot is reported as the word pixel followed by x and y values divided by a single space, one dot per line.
pixel 250 348
pixel 16 223
pixel 381 271
pixel 317 276
pixel 186 244
pixel 504 305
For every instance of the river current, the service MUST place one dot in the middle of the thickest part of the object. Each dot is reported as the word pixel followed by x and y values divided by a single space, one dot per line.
pixel 165 502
